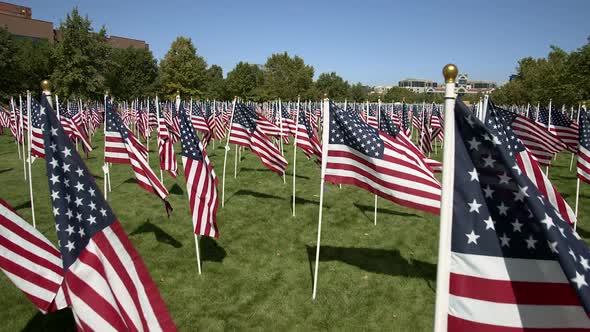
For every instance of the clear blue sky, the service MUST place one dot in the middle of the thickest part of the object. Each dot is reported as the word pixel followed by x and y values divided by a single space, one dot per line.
pixel 374 42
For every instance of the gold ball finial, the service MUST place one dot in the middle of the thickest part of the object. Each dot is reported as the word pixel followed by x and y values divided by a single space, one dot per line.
pixel 46 85
pixel 177 93
pixel 450 73
pixel 106 92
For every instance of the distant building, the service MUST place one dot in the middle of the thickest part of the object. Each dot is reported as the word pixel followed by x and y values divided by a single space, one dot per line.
pixel 19 22
pixel 381 89
pixel 417 85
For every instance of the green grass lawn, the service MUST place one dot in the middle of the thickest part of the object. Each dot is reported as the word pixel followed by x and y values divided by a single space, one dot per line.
pixel 258 275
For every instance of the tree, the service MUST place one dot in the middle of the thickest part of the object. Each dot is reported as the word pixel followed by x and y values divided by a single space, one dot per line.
pixel 333 85
pixel 286 77
pixel 358 92
pixel 80 58
pixel 183 70
pixel 34 63
pixel 246 81
pixel 215 83
pixel 132 73
pixel 7 64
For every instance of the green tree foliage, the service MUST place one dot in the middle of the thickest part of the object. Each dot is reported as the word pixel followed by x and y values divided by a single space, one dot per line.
pixel 333 85
pixel 215 83
pixel 80 56
pixel 183 70
pixel 246 81
pixel 7 65
pixel 132 73
pixel 562 77
pixel 358 92
pixel 34 63
pixel 286 77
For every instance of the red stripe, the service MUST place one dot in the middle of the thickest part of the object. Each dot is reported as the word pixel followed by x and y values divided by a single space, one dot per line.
pixel 456 324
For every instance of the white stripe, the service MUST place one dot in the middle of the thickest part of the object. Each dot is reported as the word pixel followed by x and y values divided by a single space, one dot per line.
pixel 502 268
pixel 87 315
pixel 16 219
pixel 31 288
pixel 129 264
pixel 512 315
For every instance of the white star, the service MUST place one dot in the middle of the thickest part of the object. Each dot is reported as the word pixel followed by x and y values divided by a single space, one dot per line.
pixel 571 252
pixel 496 141
pixel 489 223
pixel 67 152
pixel 91 219
pixel 78 201
pixel 473 144
pixel 473 175
pixel 53 163
pixel 79 216
pixel 79 186
pixel 521 194
pixel 53 131
pixel 515 167
pixel 54 195
pixel 488 191
pixel 505 239
pixel 562 231
pixel 103 212
pixel 530 242
pixel 547 221
pixel 70 229
pixel 474 206
pixel 584 263
pixel 80 171
pixel 57 227
pixel 54 178
pixel 55 211
pixel 489 161
pixel 503 209
pixel 81 232
pixel 472 237
pixel 53 147
pixel 70 246
pixel 577 236
pixel 66 167
pixel 504 178
pixel 91 191
pixel 579 280
pixel 553 246
pixel 92 205
pixel 68 198
pixel 517 225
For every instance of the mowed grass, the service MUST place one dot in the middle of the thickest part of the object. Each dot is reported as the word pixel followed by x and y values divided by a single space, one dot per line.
pixel 258 275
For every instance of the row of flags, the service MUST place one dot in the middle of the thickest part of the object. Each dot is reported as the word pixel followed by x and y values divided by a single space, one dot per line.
pixel 368 147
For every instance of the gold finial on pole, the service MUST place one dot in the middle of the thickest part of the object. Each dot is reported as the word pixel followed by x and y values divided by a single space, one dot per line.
pixel 450 73
pixel 46 86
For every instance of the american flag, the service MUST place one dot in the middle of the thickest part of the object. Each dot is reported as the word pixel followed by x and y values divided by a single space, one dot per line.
pixel 357 154
pixel 437 123
pixel 74 132
pixel 426 134
pixel 516 265
pixel 307 137
pixel 562 127
pixel 405 121
pixel 106 282
pixel 4 118
pixel 30 261
pixel 264 125
pixel 37 116
pixel 372 119
pixel 500 126
pixel 122 147
pixel 416 117
pixel 584 148
pixel 201 181
pixel 199 121
pixel 245 131
pixel 15 127
pixel 538 140
pixel 165 146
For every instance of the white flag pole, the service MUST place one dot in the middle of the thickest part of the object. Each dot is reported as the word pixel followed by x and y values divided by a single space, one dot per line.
pixel 231 120
pixel 325 138
pixel 295 152
pixel 15 119
pixel 105 167
pixel 446 211
pixel 22 132
pixel 548 128
pixel 148 131
pixel 158 136
pixel 378 122
pixel 577 201
pixel 29 159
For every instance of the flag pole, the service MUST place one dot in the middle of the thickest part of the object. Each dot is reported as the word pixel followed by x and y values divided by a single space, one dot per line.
pixel 325 138
pixel 378 122
pixel 295 151
pixel 22 134
pixel 226 150
pixel 29 160
pixel 158 135
pixel 446 211
pixel 105 167
pixel 13 108
pixel 572 160
pixel 577 201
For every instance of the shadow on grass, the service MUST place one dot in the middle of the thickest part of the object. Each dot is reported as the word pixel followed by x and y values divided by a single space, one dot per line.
pixel 298 176
pixel 211 250
pixel 161 235
pixel 176 190
pixel 25 205
pixel 245 192
pixel 97 176
pixel 61 320
pixel 5 170
pixel 130 180
pixel 368 208
pixel 302 201
pixel 389 262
